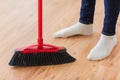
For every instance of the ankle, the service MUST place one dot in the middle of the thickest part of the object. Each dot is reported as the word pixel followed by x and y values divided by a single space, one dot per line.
pixel 113 37
pixel 84 24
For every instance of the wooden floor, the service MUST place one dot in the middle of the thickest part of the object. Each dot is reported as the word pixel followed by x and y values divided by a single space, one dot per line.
pixel 18 28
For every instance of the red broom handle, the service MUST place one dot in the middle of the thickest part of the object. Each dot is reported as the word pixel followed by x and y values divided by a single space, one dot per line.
pixel 40 39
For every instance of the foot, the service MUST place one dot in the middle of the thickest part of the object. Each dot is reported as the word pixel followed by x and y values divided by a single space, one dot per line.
pixel 103 48
pixel 76 29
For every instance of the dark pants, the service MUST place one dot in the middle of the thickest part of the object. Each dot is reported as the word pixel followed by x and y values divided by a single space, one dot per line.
pixel 112 8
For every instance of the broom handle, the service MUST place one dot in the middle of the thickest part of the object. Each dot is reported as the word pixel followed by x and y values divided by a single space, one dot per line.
pixel 40 39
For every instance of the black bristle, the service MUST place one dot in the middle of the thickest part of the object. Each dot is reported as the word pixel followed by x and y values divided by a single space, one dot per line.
pixel 40 59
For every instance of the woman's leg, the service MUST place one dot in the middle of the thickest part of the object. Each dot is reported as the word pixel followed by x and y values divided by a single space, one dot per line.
pixel 87 11
pixel 84 26
pixel 108 39
pixel 112 8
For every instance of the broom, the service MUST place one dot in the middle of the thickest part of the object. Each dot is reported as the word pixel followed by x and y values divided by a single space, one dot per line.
pixel 40 54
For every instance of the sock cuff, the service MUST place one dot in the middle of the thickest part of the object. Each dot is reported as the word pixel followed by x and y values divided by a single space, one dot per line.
pixel 108 37
pixel 84 24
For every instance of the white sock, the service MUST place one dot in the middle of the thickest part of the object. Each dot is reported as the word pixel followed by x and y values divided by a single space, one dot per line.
pixel 76 29
pixel 103 47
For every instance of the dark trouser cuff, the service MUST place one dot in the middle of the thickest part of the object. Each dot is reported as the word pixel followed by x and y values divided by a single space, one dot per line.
pixel 108 34
pixel 85 22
